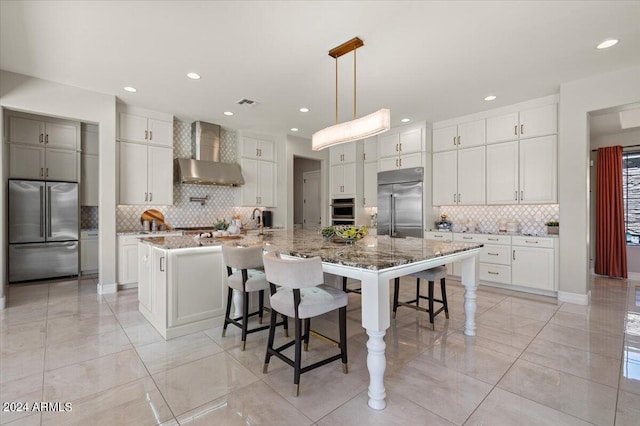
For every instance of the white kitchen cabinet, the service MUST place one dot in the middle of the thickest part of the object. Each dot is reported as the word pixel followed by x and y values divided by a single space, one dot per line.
pixel 37 162
pixel 463 135
pixel 532 262
pixel 89 259
pixel 89 139
pixel 522 172
pixel 438 236
pixel 459 177
pixel 63 136
pixel 259 187
pixel 343 180
pixel 146 174
pixel 370 149
pixel 128 256
pixel 257 148
pixel 527 123
pixel 343 153
pixel 44 131
pixel 139 127
pixel 89 188
pixel 370 184
pixel 399 143
pixel 182 291
pixel 404 161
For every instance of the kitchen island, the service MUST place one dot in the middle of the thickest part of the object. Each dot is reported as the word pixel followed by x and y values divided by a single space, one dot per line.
pixel 192 273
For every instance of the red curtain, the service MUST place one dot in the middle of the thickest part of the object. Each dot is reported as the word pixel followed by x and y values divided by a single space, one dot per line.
pixel 611 245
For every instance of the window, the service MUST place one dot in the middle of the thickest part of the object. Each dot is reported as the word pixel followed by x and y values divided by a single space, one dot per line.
pixel 631 195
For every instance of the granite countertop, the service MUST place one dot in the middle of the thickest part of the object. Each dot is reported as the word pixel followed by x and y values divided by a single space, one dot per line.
pixel 125 233
pixel 372 252
pixel 508 234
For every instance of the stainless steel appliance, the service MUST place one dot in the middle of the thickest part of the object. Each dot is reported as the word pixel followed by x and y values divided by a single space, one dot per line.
pixel 400 202
pixel 343 211
pixel 43 229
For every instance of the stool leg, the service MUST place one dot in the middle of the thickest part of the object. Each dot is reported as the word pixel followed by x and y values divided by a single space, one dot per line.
pixel 298 358
pixel 343 338
pixel 417 291
pixel 260 305
pixel 444 297
pixel 272 334
pixel 285 320
pixel 396 290
pixel 344 284
pixel 306 333
pixel 226 317
pixel 245 317
pixel 431 316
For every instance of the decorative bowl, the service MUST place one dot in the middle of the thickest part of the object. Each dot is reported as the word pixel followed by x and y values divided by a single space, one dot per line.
pixel 349 233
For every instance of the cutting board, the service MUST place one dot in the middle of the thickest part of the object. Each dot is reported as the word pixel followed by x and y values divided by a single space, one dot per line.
pixel 152 214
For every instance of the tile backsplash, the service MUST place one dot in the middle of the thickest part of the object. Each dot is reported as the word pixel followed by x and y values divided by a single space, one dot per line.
pixel 89 218
pixel 185 213
pixel 531 217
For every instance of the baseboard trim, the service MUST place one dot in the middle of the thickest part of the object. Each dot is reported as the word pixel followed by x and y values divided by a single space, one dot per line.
pixel 3 302
pixel 107 288
pixel 577 299
pixel 635 276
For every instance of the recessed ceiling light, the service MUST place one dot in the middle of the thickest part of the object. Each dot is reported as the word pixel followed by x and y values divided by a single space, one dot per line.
pixel 405 120
pixel 304 109
pixel 130 89
pixel 490 98
pixel 608 43
pixel 193 76
pixel 228 113
pixel 294 129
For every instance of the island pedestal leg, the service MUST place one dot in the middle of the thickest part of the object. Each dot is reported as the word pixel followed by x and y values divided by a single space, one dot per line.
pixel 376 320
pixel 469 278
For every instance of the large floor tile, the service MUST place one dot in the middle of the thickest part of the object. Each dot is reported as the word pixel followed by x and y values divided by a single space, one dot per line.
pixel 502 408
pixel 399 411
pixel 83 307
pixel 255 404
pixel 90 377
pixel 19 314
pixel 75 326
pixel 172 353
pixel 30 420
pixel 443 391
pixel 135 403
pixel 630 368
pixel 526 308
pixel 21 364
pixel 589 341
pixel 611 326
pixel 25 389
pixel 191 385
pixel 594 367
pixel 564 392
pixel 143 334
pixel 84 348
pixel 21 337
pixel 511 323
pixel 502 341
pixel 628 411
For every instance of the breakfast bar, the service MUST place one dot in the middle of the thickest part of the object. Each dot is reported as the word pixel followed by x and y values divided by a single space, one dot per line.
pixel 374 260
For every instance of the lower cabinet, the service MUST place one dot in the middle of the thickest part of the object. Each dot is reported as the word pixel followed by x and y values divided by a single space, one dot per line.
pixel 533 262
pixel 128 256
pixel 89 252
pixel 181 291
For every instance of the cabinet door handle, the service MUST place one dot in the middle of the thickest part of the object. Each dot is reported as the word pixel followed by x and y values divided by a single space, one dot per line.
pixel 41 138
pixel 521 195
pixel 516 196
pixel 401 147
pixel 46 173
pixel 438 236
pixel 454 198
pixel 46 139
pixel 458 140
pixel 162 264
pixel 41 171
pixel 42 211
pixel 50 231
pixel 458 197
pixel 396 162
pixel 150 196
pixel 515 130
pixel 467 238
pixel 492 254
pixel 146 134
pixel 493 273
pixel 522 129
pixel 146 196
pixel 396 147
pixel 260 152
pixel 401 162
pixel 150 135
pixel 492 239
pixel 514 255
pixel 257 152
pixel 454 141
pixel 364 156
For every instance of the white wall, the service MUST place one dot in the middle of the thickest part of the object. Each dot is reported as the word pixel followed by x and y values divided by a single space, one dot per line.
pixel 577 99
pixel 28 94
pixel 301 147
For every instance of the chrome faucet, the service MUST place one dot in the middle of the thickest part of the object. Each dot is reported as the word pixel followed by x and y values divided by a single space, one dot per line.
pixel 253 217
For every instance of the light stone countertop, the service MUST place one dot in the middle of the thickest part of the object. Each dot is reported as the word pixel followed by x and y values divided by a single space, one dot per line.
pixel 371 252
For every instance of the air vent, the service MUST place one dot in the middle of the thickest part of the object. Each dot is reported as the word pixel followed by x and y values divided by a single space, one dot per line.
pixel 247 102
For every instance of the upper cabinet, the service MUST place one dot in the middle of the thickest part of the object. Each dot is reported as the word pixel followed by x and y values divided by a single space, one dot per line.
pixel 400 148
pixel 257 148
pixel 142 126
pixel 343 153
pixel 463 135
pixel 370 149
pixel 257 161
pixel 527 123
pixel 89 165
pixel 42 147
pixel 145 156
pixel 459 177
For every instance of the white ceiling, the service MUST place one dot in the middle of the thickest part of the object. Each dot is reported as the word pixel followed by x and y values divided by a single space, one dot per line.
pixel 423 60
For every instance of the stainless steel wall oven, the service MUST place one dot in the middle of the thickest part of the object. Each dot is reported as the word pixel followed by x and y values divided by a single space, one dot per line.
pixel 343 211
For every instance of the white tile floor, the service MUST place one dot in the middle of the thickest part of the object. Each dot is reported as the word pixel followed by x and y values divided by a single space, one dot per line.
pixel 533 362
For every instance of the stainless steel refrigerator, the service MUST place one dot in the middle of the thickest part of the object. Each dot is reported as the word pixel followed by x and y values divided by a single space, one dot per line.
pixel 400 202
pixel 43 229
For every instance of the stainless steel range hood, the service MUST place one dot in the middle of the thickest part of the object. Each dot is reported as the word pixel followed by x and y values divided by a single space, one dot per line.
pixel 205 167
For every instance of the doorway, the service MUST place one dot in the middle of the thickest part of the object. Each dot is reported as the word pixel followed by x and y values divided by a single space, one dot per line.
pixel 307 193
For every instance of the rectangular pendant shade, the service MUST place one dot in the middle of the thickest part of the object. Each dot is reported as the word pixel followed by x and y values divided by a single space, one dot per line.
pixel 360 128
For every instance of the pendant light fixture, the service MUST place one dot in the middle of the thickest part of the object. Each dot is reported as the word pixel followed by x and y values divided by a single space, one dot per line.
pixel 358 128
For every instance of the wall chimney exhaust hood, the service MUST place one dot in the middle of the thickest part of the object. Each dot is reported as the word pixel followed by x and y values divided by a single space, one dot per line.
pixel 205 167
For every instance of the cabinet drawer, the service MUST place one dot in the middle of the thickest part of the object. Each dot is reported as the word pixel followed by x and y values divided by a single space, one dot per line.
pixel 495 273
pixel 439 236
pixel 532 242
pixel 497 239
pixel 496 254
pixel 468 238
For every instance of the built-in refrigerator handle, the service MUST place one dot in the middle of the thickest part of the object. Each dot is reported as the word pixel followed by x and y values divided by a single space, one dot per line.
pixel 392 224
pixel 41 211
pixel 49 211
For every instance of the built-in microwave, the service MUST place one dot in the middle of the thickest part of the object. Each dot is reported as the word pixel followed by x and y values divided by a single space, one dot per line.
pixel 343 211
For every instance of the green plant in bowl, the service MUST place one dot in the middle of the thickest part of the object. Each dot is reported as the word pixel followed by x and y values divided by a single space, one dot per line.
pixel 220 225
pixel 351 233
pixel 328 232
